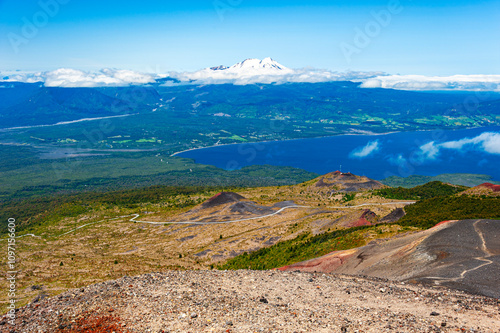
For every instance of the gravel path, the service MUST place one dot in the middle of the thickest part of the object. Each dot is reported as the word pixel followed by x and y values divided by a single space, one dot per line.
pixel 258 301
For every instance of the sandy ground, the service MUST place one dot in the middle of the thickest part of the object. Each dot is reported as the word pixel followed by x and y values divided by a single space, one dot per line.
pixel 258 301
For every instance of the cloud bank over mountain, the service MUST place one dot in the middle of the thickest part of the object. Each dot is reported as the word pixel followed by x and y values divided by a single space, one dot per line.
pixel 420 82
pixel 253 71
pixel 66 77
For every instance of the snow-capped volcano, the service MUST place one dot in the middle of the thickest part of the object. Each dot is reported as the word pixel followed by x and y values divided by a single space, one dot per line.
pixel 250 70
pixel 257 66
pixel 252 67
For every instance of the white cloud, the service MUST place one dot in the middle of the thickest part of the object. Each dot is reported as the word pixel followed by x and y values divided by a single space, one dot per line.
pixel 66 77
pixel 488 142
pixel 362 152
pixel 249 71
pixel 429 151
pixel 297 76
pixel 19 76
pixel 107 77
pixel 398 160
pixel 420 82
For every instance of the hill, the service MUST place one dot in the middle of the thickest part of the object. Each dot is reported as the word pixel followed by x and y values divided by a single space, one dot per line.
pixel 337 102
pixel 98 236
pixel 339 182
pixel 462 179
pixel 485 189
pixel 459 254
pixel 426 191
pixel 145 125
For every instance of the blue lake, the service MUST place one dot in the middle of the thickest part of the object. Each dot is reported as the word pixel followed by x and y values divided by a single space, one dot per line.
pixel 376 156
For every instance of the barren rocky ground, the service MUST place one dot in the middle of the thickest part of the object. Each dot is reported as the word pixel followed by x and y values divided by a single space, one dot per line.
pixel 257 301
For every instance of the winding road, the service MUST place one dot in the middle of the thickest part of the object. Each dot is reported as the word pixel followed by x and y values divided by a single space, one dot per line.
pixel 136 216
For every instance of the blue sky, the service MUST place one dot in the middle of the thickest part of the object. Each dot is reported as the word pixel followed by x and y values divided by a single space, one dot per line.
pixel 422 37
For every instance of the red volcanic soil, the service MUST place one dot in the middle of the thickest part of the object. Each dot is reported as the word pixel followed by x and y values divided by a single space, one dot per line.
pixel 366 219
pixel 444 222
pixel 93 324
pixel 495 188
pixel 362 221
pixel 327 263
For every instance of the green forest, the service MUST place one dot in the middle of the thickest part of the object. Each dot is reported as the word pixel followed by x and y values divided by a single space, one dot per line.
pixel 426 191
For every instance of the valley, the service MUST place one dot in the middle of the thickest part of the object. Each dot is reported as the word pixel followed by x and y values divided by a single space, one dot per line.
pixel 90 238
pixel 133 132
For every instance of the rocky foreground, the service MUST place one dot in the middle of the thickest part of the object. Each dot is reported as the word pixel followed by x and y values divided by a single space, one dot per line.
pixel 257 301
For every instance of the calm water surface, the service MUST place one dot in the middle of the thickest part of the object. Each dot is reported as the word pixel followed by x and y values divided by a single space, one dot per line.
pixel 376 156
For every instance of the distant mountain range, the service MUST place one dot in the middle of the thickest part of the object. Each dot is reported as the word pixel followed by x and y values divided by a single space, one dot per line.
pixel 252 71
pixel 26 104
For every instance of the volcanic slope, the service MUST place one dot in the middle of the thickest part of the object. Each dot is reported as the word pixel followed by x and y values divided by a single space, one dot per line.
pixel 226 206
pixel 463 255
pixel 338 182
pixel 133 236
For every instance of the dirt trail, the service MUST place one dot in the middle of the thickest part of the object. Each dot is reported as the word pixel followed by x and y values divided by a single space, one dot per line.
pixel 483 241
pixel 484 259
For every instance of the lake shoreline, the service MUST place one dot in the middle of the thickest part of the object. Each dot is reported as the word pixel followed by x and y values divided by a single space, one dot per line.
pixel 286 140
pixel 326 136
pixel 375 155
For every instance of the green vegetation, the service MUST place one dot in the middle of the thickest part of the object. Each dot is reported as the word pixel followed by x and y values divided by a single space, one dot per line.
pixel 427 213
pixel 330 105
pixel 349 197
pixel 37 212
pixel 463 179
pixel 303 247
pixel 429 190
pixel 23 174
